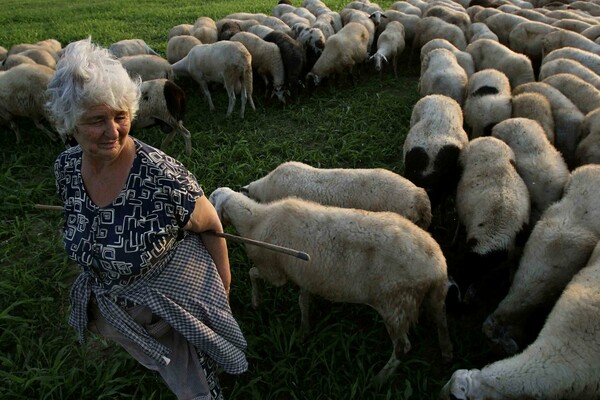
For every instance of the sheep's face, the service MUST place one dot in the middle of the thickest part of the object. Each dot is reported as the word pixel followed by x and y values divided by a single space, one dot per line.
pixel 218 198
pixel 462 386
pixel 280 92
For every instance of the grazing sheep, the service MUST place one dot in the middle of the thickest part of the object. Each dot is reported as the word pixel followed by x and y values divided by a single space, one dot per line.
pixel 589 7
pixel 450 15
pixel 408 21
pixel 205 30
pixel 293 55
pixel 224 62
pixel 586 58
pixel 277 25
pixel 488 101
pixel 350 15
pixel 41 56
pixel 563 361
pixel 432 145
pixel 464 59
pixel 389 263
pixel 567 117
pixel 3 53
pixel 342 51
pixel 179 30
pixel 12 60
pixel 291 19
pixel 584 95
pixel 130 47
pixel 244 16
pixel 526 38
pixel 541 166
pixel 266 61
pixel 23 94
pixel 429 28
pixel 147 66
pixel 313 40
pixel 537 107
pixel 163 103
pixel 406 8
pixel 592 33
pixel 226 28
pixel 260 30
pixel 179 46
pixel 572 25
pixel 502 24
pixel 536 14
pixel 492 203
pixel 390 45
pixel 563 38
pixel 488 53
pixel 566 65
pixel 559 246
pixel 324 23
pixel 479 30
pixel 572 14
pixel 588 149
pixel 49 46
pixel 281 9
pixel 480 15
pixel 442 74
pixel 374 189
pixel 304 13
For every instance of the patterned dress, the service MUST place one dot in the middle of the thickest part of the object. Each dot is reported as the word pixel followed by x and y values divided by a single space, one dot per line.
pixel 134 251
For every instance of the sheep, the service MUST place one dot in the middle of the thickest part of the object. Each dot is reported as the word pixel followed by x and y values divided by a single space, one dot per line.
pixel 432 145
pixel 342 51
pixel 350 15
pixel 293 55
pixel 226 28
pixel 260 30
pixel 224 62
pixel 3 53
pixel 22 94
pixel 259 17
pixel 375 189
pixel 572 25
pixel 559 245
pixel 586 58
pixel 566 65
pixel 584 95
pixel 277 25
pixel 488 101
pixel 563 361
pixel 130 47
pixel 50 45
pixel 450 15
pixel 526 38
pixel 205 30
pixel 588 149
pixel 281 9
pixel 163 103
pixel 266 61
pixel 41 56
pixel 492 203
pixel 590 8
pixel 442 74
pixel 389 263
pixel 502 24
pixel 563 38
pixel 179 46
pixel 390 45
pixel 572 14
pixel 541 166
pixel 567 117
pixel 408 21
pixel 181 29
pixel 147 66
pixel 290 19
pixel 406 8
pixel 313 40
pixel 465 60
pixel 592 33
pixel 480 15
pixel 429 28
pixel 535 15
pixel 12 60
pixel 537 107
pixel 324 23
pixel 479 30
pixel 488 53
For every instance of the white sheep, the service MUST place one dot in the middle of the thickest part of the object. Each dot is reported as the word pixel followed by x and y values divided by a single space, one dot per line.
pixel 375 258
pixel 432 145
pixel 481 14
pixel 224 62
pixel 464 59
pixel 163 103
pixel 559 246
pixel 281 9
pixel 260 30
pixel 266 61
pixel 406 8
pixel 260 17
pixel 41 56
pixel 131 47
pixel 454 16
pixel 573 25
pixel 588 59
pixel 541 166
pixel 342 52
pixel 350 15
pixel 147 66
pixel 12 60
pixel 567 117
pixel 489 53
pixel 179 46
pixel 563 361
pixel 588 148
pixel 502 24
pixel 205 30
pixel 429 28
pixel 479 30
pixel 277 24
pixel 592 33
pixel 375 189
pixel 566 65
pixel 572 14
pixel 178 30
pixel 442 74
pixel 23 94
pixel 324 23
pixel 488 101
pixel 583 94
pixel 390 45
pixel 3 53
pixel 563 38
pixel 291 19
pixel 527 38
pixel 537 107
pixel 304 13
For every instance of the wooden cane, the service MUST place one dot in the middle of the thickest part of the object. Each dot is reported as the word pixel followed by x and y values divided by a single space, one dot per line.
pixel 273 247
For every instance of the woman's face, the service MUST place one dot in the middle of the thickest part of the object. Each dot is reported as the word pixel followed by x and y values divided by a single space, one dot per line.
pixel 102 132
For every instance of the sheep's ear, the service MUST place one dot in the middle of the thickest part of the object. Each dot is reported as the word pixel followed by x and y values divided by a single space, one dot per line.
pixel 244 190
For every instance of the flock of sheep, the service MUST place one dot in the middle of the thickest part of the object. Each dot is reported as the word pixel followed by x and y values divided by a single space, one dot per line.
pixel 507 127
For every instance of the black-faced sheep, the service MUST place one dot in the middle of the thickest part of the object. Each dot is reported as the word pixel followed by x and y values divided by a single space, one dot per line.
pixel 433 144
pixel 558 247
pixel 224 62
pixel 131 47
pixel 163 103
pixel 563 361
pixel 374 189
pixel 375 258
pixel 442 74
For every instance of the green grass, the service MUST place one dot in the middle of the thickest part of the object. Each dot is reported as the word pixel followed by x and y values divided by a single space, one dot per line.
pixel 339 125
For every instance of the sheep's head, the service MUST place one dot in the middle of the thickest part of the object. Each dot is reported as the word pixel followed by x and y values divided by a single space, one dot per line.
pixel 376 17
pixel 218 198
pixel 463 385
pixel 500 335
pixel 315 78
pixel 378 57
pixel 280 92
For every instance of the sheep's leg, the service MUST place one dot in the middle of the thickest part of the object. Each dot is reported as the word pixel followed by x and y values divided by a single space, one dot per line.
pixel 231 94
pixel 187 138
pixel 397 326
pixel 15 129
pixel 395 66
pixel 254 277
pixel 204 87
pixel 435 306
pixel 304 299
pixel 243 100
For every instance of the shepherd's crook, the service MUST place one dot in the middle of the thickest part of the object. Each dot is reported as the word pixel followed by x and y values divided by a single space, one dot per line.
pixel 285 250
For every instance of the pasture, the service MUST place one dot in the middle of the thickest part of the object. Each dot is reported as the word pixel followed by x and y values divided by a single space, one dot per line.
pixel 341 124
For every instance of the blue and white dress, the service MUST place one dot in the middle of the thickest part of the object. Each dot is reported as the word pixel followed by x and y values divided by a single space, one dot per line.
pixel 135 251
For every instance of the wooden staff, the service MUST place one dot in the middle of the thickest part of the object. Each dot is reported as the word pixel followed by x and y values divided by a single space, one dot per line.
pixel 273 247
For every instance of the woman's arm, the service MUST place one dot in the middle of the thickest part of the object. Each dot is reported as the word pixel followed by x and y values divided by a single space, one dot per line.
pixel 205 218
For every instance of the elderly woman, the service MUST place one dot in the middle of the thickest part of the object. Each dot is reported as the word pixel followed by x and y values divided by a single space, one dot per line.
pixel 152 278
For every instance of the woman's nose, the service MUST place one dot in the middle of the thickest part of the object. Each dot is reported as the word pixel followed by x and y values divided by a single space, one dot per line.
pixel 112 128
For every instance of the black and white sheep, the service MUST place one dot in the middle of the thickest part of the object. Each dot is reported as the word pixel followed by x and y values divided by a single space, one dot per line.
pixel 559 246
pixel 433 144
pixel 226 62
pixel 375 189
pixel 163 103
pixel 562 363
pixel 376 258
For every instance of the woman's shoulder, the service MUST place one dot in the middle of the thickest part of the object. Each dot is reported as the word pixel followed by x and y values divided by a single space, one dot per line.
pixel 68 157
pixel 160 162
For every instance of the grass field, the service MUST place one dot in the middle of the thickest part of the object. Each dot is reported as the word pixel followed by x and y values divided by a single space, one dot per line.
pixel 338 125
